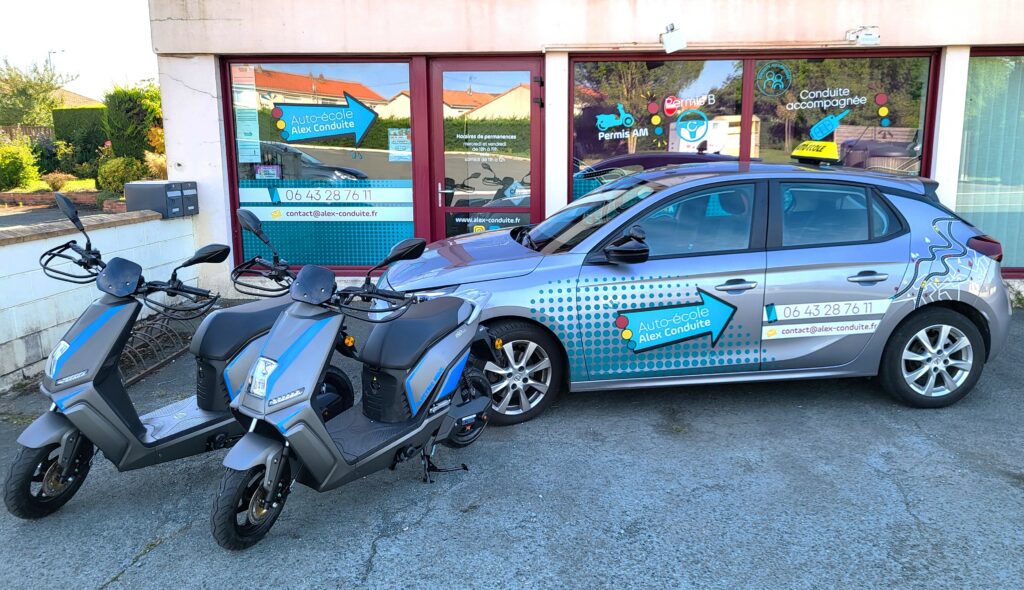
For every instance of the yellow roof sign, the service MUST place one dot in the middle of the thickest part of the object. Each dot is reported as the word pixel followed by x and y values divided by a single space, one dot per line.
pixel 816 151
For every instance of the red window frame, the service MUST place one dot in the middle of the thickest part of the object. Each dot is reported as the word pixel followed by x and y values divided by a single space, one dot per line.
pixel 747 95
pixel 1012 272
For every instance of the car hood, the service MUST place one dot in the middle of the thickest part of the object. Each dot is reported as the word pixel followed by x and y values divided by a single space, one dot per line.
pixel 465 259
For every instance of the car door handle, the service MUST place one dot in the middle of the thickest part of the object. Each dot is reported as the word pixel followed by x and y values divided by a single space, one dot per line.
pixel 736 285
pixel 868 276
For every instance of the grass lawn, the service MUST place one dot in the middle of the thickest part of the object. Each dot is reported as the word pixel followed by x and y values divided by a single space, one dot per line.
pixel 72 186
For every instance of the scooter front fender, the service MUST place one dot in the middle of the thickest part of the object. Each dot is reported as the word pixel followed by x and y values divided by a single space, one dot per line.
pixel 251 451
pixel 47 429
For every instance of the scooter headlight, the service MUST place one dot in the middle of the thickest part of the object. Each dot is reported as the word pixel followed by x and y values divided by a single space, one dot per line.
pixel 51 361
pixel 286 397
pixel 261 373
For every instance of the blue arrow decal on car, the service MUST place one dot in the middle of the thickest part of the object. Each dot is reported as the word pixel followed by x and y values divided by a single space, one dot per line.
pixel 653 327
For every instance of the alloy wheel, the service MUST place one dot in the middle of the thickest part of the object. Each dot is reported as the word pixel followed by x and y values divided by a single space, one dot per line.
pixel 522 380
pixel 937 360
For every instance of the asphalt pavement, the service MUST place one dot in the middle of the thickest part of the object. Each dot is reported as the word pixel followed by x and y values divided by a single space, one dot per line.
pixel 815 484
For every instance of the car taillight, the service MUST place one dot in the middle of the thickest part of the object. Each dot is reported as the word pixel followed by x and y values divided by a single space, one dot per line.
pixel 988 246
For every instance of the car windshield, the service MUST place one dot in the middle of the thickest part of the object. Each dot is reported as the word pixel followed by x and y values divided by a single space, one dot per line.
pixel 573 224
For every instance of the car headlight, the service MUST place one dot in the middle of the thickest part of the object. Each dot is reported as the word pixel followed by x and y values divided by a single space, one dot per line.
pixel 51 361
pixel 261 373
pixel 435 293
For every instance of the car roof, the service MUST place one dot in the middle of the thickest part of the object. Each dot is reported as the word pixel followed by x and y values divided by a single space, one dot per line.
pixel 759 170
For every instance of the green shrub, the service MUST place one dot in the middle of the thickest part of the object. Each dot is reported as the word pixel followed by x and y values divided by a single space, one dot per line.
pixel 130 114
pixel 116 172
pixel 57 180
pixel 81 131
pixel 17 165
pixel 106 196
pixel 45 151
pixel 157 165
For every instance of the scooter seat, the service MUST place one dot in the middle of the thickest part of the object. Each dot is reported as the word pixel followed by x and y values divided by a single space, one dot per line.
pixel 398 344
pixel 224 332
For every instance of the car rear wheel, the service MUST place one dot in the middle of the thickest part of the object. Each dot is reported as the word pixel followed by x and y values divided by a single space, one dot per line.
pixel 934 359
pixel 529 373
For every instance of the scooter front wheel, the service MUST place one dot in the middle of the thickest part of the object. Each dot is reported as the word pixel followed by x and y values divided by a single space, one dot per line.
pixel 241 515
pixel 35 487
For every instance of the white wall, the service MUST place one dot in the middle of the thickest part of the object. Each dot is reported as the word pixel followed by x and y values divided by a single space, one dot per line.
pixel 461 26
pixel 194 136
pixel 38 310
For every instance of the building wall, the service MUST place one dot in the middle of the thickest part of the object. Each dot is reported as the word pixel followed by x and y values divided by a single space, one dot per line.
pixel 39 310
pixel 463 26
pixel 189 35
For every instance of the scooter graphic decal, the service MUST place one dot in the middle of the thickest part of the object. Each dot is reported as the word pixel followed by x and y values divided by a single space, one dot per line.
pixel 654 327
pixel 606 121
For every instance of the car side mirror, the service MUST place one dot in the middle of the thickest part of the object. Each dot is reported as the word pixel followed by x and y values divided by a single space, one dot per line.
pixel 630 248
pixel 211 253
pixel 407 249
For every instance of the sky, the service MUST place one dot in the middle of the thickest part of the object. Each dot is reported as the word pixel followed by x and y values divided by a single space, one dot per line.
pixel 103 43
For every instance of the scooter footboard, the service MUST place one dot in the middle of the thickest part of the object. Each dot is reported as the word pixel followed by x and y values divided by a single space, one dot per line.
pixel 45 430
pixel 251 451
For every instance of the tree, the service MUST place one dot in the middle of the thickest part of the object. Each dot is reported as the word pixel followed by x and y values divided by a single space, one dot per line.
pixel 27 96
pixel 131 113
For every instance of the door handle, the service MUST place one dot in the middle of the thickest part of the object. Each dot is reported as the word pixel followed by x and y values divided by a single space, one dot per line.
pixel 868 276
pixel 441 193
pixel 736 285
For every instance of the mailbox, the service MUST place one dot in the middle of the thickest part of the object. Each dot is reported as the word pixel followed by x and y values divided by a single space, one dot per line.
pixel 166 197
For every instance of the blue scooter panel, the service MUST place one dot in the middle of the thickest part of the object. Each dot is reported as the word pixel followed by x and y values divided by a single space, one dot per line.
pixel 84 348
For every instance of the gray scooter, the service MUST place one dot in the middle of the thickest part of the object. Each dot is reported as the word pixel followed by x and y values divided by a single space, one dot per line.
pixel 90 406
pixel 420 387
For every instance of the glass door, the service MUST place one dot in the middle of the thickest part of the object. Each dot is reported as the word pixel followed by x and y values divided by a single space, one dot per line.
pixel 485 144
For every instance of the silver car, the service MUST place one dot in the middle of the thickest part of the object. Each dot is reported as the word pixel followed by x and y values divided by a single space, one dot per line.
pixel 722 272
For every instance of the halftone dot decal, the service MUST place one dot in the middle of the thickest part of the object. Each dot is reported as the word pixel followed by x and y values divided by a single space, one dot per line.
pixel 592 319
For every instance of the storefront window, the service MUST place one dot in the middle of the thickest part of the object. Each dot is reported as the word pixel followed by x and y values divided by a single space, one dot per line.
pixel 991 188
pixel 646 114
pixel 324 158
pixel 874 108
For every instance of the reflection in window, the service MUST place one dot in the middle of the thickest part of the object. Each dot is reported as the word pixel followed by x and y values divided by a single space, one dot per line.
pixel 637 115
pixel 874 108
pixel 486 143
pixel 991 189
pixel 324 158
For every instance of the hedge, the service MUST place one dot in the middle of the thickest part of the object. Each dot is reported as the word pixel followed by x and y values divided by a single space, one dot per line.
pixel 82 128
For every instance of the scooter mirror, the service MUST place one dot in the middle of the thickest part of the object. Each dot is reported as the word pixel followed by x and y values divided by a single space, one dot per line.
pixel 249 222
pixel 474 175
pixel 407 249
pixel 211 253
pixel 487 167
pixel 68 209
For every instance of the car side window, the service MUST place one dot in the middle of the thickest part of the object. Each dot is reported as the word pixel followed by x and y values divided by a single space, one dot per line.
pixel 820 213
pixel 715 220
pixel 884 222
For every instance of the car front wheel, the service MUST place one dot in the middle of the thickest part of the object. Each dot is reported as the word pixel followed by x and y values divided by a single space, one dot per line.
pixel 934 359
pixel 528 374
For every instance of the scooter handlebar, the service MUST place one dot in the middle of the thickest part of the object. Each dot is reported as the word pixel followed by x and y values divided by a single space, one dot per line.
pixel 89 260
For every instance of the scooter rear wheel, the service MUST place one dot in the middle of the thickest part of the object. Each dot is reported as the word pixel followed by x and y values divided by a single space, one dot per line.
pixel 474 384
pixel 34 488
pixel 239 520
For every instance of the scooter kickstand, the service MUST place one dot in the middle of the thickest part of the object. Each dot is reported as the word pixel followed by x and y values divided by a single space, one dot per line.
pixel 429 467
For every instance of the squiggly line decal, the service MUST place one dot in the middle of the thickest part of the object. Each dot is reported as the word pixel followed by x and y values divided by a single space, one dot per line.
pixel 949 239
